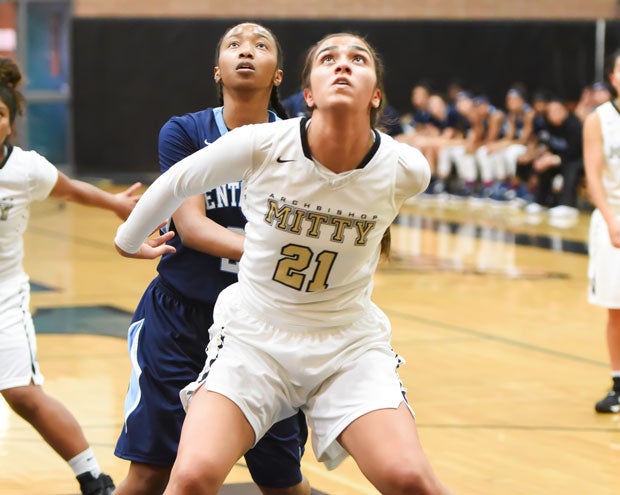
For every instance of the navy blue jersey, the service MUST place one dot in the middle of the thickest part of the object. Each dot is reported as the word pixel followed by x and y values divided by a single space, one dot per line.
pixel 195 275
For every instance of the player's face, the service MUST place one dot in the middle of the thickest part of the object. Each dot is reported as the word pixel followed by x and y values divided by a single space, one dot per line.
pixel 248 59
pixel 343 76
pixel 5 122
pixel 614 77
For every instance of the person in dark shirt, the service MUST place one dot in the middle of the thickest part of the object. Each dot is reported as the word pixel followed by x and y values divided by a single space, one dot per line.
pixel 563 139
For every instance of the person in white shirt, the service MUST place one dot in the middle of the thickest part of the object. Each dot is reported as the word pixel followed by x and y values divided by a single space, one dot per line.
pixel 299 329
pixel 26 176
pixel 601 154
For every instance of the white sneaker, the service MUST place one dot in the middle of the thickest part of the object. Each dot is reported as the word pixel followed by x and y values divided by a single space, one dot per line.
pixel 563 211
pixel 533 208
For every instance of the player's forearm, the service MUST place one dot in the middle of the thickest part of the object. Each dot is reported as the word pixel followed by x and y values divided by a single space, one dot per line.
pixel 87 194
pixel 216 241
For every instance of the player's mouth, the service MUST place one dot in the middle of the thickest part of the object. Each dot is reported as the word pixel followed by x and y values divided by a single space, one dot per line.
pixel 243 66
pixel 341 81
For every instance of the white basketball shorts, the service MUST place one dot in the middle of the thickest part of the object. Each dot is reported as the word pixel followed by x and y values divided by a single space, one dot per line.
pixel 18 348
pixel 603 266
pixel 334 375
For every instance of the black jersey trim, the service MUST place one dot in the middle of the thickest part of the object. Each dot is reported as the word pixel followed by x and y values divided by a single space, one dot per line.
pixel 9 150
pixel 306 147
pixel 372 151
pixel 615 105
pixel 304 138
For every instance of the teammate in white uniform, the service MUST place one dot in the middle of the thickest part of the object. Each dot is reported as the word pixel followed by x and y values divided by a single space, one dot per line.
pixel 601 151
pixel 299 330
pixel 26 176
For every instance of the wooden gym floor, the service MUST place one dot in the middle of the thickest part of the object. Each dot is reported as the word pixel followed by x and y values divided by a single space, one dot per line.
pixel 505 358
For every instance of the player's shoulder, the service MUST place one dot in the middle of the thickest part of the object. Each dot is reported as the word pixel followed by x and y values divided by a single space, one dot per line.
pixel 283 124
pixel 271 129
pixel 404 151
pixel 192 119
pixel 604 114
pixel 26 158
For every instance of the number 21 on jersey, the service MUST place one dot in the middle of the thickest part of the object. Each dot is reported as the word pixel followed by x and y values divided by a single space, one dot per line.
pixel 302 270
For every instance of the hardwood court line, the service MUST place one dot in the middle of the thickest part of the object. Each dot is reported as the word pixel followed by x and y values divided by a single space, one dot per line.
pixel 496 338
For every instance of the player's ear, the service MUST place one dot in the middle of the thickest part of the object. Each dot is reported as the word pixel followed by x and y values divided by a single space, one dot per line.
pixel 217 76
pixel 277 78
pixel 376 99
pixel 308 98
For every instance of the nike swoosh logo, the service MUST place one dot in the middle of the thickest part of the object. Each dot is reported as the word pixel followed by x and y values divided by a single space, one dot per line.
pixel 207 142
pixel 281 160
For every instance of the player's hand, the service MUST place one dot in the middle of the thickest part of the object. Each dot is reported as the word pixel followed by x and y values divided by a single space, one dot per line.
pixel 151 248
pixel 126 200
pixel 614 232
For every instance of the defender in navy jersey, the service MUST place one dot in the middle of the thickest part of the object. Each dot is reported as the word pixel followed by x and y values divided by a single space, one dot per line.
pixel 188 271
pixel 169 331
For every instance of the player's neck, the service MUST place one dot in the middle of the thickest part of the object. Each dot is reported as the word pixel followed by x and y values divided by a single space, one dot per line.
pixel 337 143
pixel 251 109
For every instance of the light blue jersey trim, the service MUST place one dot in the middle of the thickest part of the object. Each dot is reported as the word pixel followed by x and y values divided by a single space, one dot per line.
pixel 219 120
pixel 132 399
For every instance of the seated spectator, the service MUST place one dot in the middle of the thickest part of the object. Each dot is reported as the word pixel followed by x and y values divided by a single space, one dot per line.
pixel 419 116
pixel 504 154
pixel 591 97
pixel 487 128
pixel 535 148
pixel 442 126
pixel 563 157
pixel 458 151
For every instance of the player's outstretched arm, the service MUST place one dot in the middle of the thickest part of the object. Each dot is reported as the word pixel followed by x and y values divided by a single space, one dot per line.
pixel 86 194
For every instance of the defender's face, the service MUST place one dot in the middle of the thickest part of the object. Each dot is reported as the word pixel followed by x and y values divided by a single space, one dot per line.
pixel 343 76
pixel 248 59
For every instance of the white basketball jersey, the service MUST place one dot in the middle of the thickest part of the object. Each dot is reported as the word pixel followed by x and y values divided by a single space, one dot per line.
pixel 25 177
pixel 610 128
pixel 313 236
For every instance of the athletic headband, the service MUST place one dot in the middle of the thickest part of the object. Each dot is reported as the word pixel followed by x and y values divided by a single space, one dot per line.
pixel 516 92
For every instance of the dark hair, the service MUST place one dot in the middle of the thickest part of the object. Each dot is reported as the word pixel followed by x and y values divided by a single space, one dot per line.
pixel 274 100
pixel 610 63
pixel 379 70
pixel 10 77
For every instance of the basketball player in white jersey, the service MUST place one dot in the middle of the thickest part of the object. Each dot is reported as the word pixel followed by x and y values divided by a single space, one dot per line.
pixel 26 176
pixel 601 153
pixel 299 329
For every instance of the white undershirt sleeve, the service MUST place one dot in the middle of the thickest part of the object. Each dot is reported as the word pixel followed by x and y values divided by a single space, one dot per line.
pixel 227 160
